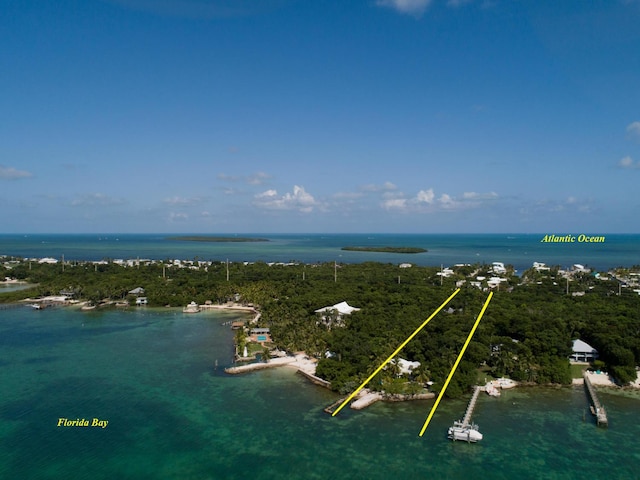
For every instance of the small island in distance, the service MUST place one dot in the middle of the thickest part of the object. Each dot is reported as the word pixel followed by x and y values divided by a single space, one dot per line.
pixel 386 249
pixel 202 238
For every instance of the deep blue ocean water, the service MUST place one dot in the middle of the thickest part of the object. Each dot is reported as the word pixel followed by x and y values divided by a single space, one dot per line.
pixel 519 250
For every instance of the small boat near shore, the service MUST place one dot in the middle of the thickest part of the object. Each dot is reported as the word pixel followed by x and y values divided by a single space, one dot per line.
pixel 465 432
pixel 193 307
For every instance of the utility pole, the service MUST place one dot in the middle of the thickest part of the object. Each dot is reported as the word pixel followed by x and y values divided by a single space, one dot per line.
pixel 227 269
pixel 335 271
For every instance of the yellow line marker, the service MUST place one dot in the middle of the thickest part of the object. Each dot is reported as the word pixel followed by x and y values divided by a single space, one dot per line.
pixel 417 330
pixel 455 365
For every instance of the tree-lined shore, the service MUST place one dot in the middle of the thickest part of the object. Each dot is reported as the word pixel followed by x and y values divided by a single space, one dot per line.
pixel 526 333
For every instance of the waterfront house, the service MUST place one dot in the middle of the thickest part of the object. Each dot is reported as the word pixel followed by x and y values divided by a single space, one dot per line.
pixel 260 335
pixel 405 366
pixel 583 352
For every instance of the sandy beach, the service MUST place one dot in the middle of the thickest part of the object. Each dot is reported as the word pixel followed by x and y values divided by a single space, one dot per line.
pixel 233 306
pixel 365 399
pixel 299 361
pixel 603 379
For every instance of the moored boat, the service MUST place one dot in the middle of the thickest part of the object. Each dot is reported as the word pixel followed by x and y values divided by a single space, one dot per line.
pixel 193 307
pixel 465 432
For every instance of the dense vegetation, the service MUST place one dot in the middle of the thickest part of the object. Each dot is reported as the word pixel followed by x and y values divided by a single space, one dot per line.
pixel 526 332
pixel 386 249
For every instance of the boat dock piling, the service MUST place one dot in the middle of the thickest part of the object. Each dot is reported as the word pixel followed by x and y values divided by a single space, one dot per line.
pixel 597 409
pixel 471 406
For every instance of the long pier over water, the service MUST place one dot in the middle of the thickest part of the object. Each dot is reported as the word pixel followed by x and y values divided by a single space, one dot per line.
pixel 471 406
pixel 597 409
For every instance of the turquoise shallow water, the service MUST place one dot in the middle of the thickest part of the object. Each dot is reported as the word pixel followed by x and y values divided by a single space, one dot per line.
pixel 151 374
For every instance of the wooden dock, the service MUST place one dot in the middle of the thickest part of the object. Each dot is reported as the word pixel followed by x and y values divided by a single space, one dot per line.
pixel 334 405
pixel 597 409
pixel 471 406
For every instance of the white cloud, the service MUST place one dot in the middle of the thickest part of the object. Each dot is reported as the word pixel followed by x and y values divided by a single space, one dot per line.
pixel 447 202
pixel 395 203
pixel 299 200
pixel 633 129
pixel 425 196
pixel 570 205
pixel 425 201
pixel 96 200
pixel 628 163
pixel 10 173
pixel 479 196
pixel 410 7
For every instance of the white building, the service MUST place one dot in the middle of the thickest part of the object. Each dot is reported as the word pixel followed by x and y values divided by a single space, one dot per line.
pixel 498 268
pixel 539 266
pixel 335 312
pixel 583 352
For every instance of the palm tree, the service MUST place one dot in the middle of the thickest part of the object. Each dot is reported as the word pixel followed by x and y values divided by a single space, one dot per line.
pixel 266 354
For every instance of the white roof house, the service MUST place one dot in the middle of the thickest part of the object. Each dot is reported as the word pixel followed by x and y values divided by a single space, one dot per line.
pixel 583 352
pixel 498 267
pixel 406 367
pixel 335 312
pixel 48 260
pixel 342 308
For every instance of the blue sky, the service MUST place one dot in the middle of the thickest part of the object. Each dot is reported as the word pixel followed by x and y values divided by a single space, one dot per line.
pixel 319 116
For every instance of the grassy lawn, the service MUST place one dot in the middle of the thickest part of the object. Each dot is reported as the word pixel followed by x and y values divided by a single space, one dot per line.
pixel 576 370
pixel 484 375
pixel 253 348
